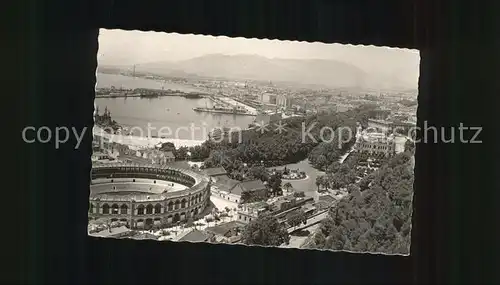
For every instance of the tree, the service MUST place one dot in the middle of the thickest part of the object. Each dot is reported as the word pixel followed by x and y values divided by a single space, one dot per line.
pixel 265 230
pixel 287 186
pixel 375 216
pixel 258 172
pixel 209 219
pixel 319 181
pixel 410 146
pixel 274 183
pixel 296 218
pixel 167 146
pixel 300 194
pixel 181 153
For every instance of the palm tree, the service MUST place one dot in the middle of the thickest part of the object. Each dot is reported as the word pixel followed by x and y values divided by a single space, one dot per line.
pixel 319 181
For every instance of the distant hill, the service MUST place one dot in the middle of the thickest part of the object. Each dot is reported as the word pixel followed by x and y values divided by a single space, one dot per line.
pixel 329 73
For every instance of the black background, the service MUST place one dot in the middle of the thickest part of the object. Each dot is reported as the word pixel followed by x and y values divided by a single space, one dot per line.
pixel 455 232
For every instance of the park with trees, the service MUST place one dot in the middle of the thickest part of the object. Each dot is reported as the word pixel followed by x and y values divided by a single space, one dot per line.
pixel 375 216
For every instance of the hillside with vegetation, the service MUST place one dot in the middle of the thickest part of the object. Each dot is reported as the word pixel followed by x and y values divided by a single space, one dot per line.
pixel 376 215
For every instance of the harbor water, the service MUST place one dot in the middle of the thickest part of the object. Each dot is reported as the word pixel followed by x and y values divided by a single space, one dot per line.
pixel 169 117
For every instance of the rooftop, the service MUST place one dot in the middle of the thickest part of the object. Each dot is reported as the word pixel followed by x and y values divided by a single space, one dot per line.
pixel 225 183
pixel 195 236
pixel 144 236
pixel 252 185
pixel 224 228
pixel 256 205
pixel 326 198
pixel 215 171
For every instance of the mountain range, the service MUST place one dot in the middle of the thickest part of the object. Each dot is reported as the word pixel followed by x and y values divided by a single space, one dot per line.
pixel 324 72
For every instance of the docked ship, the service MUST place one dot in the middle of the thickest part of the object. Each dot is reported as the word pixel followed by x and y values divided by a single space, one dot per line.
pixel 192 96
pixel 224 110
pixel 149 95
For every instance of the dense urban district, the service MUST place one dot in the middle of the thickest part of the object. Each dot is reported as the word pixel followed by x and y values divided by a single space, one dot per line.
pixel 362 172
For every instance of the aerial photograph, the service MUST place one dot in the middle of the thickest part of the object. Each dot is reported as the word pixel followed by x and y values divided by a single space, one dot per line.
pixel 253 142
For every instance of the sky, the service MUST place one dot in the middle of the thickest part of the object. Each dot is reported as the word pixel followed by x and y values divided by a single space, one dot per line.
pixel 119 47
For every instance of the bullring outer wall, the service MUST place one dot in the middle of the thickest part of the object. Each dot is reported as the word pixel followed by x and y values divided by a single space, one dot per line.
pixel 147 209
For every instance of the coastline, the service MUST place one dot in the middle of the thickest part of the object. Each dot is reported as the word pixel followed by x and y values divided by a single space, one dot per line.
pixel 136 142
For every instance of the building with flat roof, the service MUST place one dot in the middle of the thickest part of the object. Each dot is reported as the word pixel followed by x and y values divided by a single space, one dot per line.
pixel 251 211
pixel 266 119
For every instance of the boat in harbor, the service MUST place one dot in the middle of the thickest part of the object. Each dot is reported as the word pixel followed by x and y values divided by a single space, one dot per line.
pixel 224 110
pixel 149 95
pixel 192 96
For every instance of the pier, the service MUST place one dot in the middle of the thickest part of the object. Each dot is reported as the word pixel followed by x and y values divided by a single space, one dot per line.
pixel 145 93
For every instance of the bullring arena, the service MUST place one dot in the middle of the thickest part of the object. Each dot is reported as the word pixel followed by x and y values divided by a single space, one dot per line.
pixel 147 195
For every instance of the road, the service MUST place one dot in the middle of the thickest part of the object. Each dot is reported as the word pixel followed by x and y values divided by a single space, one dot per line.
pixel 134 159
pixel 298 241
pixel 221 203
pixel 310 222
pixel 345 155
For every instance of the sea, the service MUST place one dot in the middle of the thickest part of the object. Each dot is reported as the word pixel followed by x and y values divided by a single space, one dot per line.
pixel 169 117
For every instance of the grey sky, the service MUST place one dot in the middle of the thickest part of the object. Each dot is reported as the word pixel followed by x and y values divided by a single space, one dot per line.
pixel 134 47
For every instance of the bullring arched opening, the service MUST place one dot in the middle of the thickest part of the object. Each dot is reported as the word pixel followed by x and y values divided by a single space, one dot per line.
pixel 157 209
pixel 105 209
pixel 140 210
pixel 124 209
pixel 149 209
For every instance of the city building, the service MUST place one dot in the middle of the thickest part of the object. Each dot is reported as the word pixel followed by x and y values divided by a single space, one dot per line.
pixel 266 119
pixel 268 98
pixel 255 186
pixel 215 172
pixel 375 143
pixel 156 156
pixel 226 232
pixel 98 156
pixel 281 206
pixel 251 211
pixel 283 101
pixel 223 185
